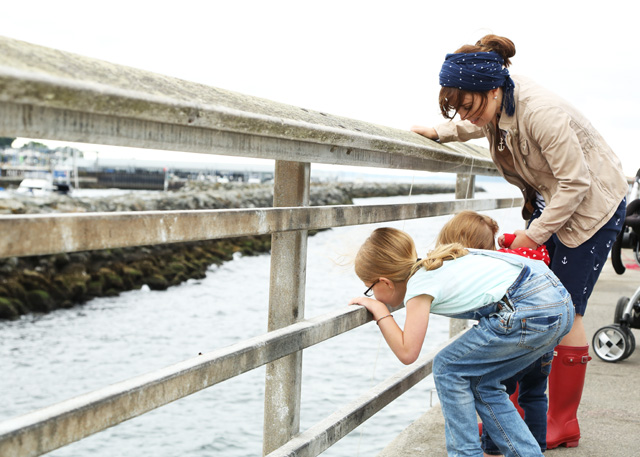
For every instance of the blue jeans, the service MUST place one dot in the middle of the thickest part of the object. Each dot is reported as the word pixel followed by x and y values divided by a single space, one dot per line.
pixel 531 319
pixel 532 398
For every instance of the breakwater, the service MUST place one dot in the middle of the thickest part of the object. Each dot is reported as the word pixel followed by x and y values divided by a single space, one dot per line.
pixel 44 283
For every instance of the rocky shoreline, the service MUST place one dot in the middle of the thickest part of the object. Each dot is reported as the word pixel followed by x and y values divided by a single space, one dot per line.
pixel 41 284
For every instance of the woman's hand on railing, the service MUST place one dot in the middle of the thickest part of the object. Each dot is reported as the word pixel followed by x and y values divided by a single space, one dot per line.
pixel 428 132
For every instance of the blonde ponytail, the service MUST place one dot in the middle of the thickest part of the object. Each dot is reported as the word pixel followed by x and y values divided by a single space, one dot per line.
pixel 439 255
pixel 391 253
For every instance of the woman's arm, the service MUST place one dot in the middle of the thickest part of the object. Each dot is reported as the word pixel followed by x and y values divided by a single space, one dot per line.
pixel 428 132
pixel 521 240
pixel 406 345
pixel 450 131
pixel 557 146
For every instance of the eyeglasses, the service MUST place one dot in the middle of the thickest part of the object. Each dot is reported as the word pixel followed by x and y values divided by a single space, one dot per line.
pixel 369 291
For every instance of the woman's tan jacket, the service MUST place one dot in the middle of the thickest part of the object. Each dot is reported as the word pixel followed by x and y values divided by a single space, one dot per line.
pixel 555 151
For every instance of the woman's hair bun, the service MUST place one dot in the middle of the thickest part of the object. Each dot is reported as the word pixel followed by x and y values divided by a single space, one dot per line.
pixel 501 45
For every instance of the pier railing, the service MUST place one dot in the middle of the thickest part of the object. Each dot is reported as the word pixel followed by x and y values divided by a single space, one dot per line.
pixel 50 94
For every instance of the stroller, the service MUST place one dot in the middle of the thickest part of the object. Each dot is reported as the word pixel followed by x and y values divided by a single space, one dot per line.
pixel 616 342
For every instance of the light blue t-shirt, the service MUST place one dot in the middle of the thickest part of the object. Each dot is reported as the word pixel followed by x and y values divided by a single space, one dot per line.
pixel 464 284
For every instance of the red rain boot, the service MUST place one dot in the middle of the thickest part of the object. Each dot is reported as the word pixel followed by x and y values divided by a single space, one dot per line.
pixel 566 382
pixel 514 399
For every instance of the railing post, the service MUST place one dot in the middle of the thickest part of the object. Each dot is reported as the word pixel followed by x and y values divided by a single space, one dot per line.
pixel 286 306
pixel 465 186
pixel 465 189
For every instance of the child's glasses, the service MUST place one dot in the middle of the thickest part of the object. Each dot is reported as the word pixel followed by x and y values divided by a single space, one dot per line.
pixel 369 291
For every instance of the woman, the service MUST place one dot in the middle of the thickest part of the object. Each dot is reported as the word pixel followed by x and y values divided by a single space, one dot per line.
pixel 572 182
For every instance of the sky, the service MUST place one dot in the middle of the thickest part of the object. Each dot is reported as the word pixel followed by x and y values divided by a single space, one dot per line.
pixel 369 60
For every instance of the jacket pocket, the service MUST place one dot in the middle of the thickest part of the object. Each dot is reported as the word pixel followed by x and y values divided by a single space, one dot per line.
pixel 594 208
pixel 532 157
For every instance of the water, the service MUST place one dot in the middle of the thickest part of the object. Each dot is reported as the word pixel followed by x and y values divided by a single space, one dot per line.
pixel 45 359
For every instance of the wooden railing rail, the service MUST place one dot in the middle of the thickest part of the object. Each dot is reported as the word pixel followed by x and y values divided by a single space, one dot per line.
pixel 41 234
pixel 46 93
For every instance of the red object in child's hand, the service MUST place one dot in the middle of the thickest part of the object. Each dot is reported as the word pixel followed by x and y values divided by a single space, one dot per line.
pixel 508 239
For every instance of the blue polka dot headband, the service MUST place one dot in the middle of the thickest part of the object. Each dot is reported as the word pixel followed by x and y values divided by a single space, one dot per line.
pixel 478 72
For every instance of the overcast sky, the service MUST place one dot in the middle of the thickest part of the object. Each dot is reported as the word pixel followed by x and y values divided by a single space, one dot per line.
pixel 369 60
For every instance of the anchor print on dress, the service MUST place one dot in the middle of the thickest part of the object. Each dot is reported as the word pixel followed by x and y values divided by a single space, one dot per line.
pixel 564 260
pixel 584 291
pixel 618 221
pixel 592 249
pixel 596 267
pixel 609 243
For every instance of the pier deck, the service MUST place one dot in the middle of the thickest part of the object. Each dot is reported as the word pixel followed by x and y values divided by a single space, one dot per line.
pixel 609 413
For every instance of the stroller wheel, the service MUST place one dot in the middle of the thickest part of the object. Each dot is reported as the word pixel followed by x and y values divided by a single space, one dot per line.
pixel 611 343
pixel 635 315
pixel 631 346
pixel 622 303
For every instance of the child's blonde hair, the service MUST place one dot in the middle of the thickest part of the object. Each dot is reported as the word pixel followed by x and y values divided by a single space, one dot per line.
pixel 471 229
pixel 391 253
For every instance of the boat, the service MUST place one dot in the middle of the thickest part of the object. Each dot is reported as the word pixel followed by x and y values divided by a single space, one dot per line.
pixel 36 186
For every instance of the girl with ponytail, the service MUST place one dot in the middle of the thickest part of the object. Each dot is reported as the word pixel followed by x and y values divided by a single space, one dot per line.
pixel 522 311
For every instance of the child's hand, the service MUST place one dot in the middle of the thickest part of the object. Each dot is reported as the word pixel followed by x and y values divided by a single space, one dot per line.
pixel 375 307
pixel 506 240
pixel 429 132
pixel 501 241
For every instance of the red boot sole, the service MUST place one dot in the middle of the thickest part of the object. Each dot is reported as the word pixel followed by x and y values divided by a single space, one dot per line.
pixel 571 443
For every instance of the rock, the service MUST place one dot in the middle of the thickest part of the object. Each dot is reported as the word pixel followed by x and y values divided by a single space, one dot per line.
pixel 7 309
pixel 39 301
pixel 11 206
pixel 8 265
pixel 156 282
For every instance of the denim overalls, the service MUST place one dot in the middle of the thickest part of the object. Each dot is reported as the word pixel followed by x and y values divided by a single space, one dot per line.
pixel 511 334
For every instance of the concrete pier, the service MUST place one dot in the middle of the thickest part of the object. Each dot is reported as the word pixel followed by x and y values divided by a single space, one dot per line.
pixel 609 413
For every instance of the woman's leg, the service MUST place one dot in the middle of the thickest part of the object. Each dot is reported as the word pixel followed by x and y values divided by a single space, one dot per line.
pixel 577 336
pixel 565 392
pixel 578 269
